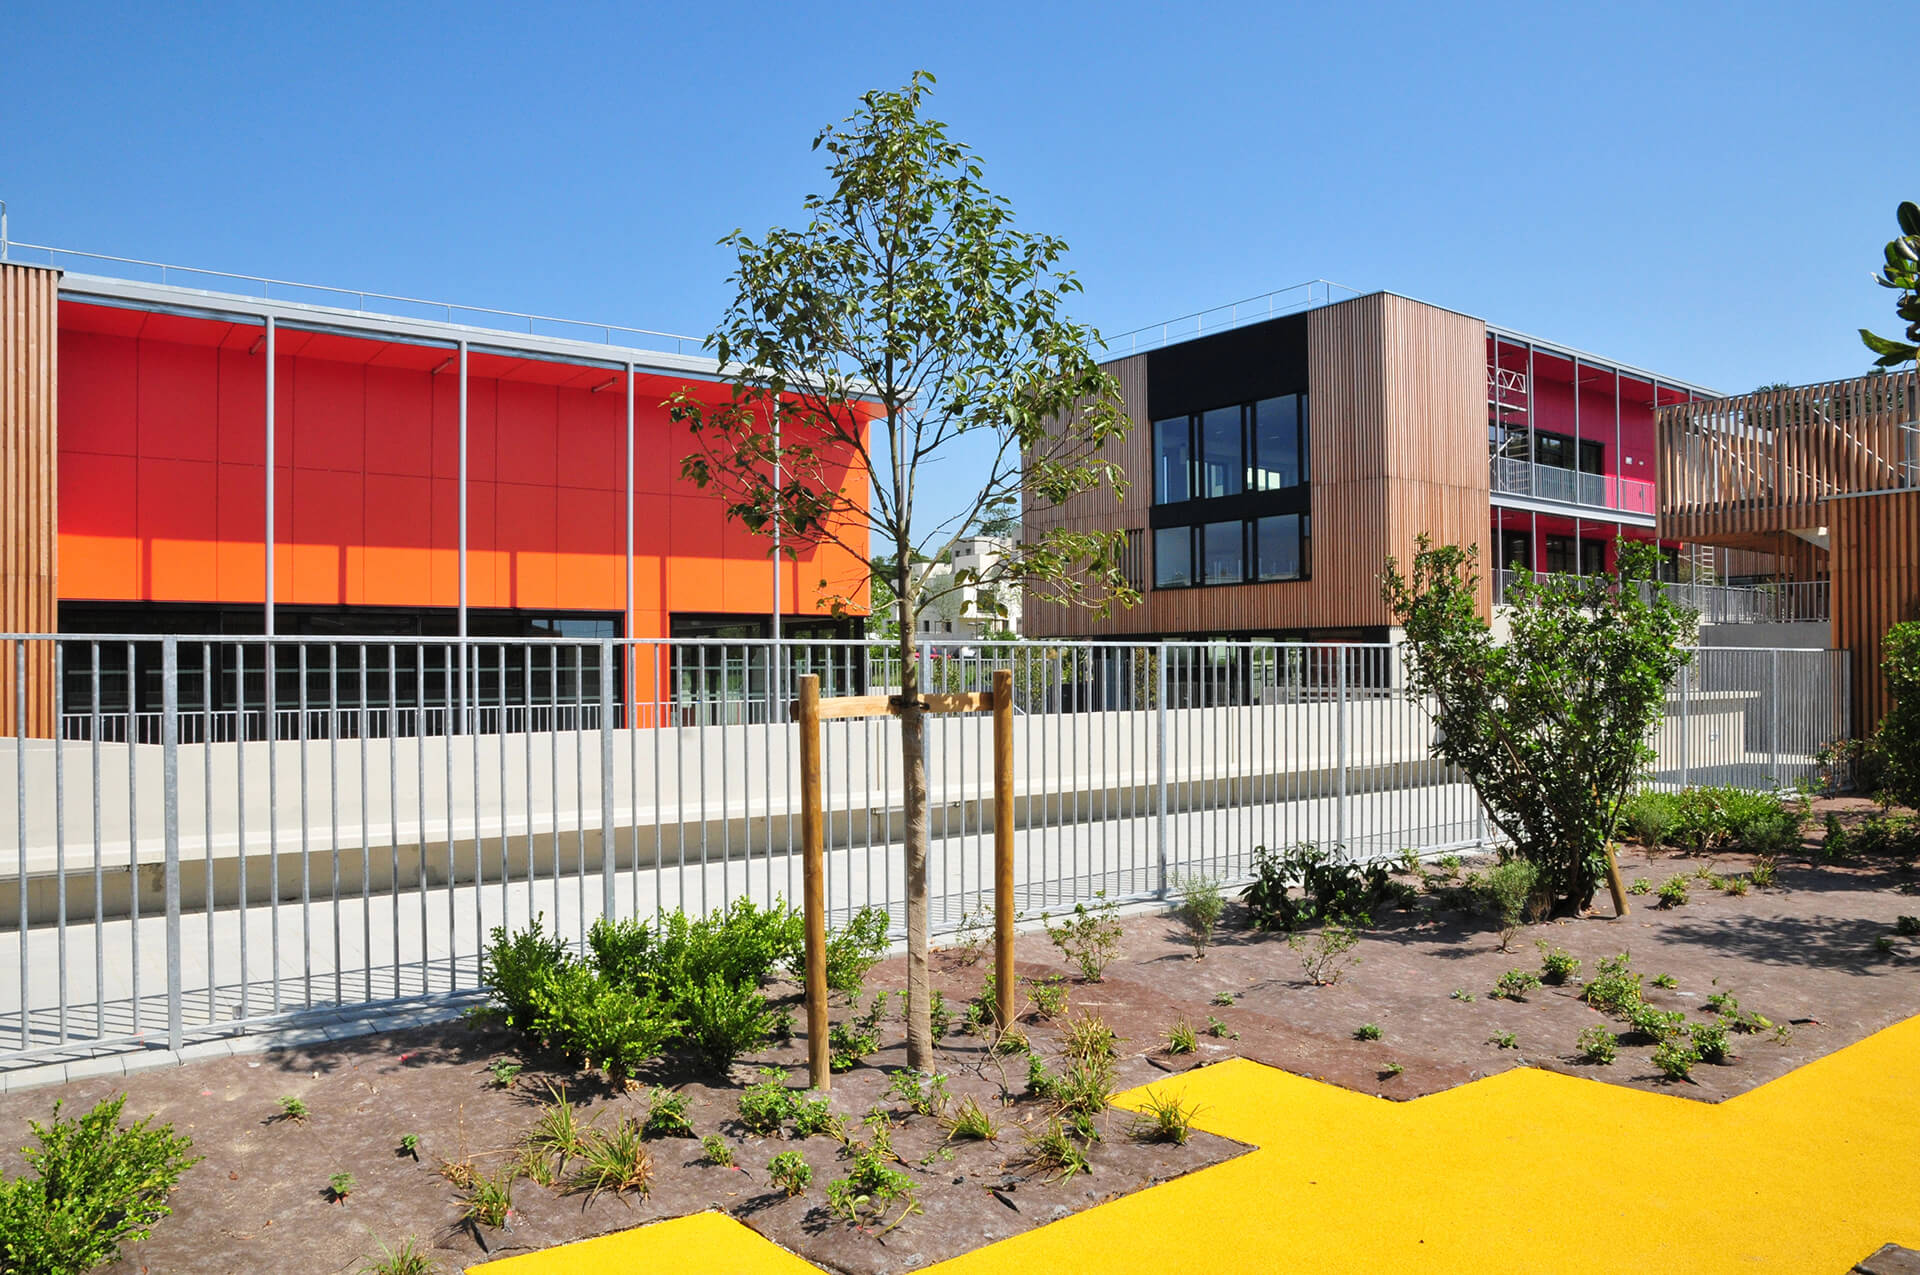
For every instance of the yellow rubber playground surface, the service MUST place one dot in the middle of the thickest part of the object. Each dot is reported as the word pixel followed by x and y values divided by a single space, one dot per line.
pixel 1524 1171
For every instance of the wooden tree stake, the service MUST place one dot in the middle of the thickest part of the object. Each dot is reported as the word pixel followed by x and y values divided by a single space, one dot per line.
pixel 814 889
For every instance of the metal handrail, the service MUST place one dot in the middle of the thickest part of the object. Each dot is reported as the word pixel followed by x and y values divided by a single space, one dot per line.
pixel 1318 292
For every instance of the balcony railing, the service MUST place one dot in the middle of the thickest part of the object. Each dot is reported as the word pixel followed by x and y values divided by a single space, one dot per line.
pixel 1791 602
pixel 1511 477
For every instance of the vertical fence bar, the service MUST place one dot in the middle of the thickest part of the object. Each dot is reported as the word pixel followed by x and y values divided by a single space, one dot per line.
pixel 1686 697
pixel 606 780
pixel 170 828
pixel 1160 761
pixel 1773 715
pixel 1003 843
pixel 20 817
pixel 1340 747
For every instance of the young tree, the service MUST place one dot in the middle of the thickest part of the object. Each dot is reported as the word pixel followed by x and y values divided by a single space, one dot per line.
pixel 909 317
pixel 1551 726
pixel 1902 274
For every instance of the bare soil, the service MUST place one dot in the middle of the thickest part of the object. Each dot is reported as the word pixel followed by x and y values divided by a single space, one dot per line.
pixel 1805 953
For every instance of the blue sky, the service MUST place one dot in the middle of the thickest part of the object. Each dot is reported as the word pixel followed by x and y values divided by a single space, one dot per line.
pixel 1701 189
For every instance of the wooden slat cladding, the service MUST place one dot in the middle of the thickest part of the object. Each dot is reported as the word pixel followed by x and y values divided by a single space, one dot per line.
pixel 1875 543
pixel 29 487
pixel 1396 409
pixel 1742 470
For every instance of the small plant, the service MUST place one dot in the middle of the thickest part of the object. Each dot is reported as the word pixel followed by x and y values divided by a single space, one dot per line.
pixel 1089 939
pixel 1201 906
pixel 790 1172
pixel 1735 886
pixel 1084 1089
pixel 616 1160
pixel 1657 1025
pixel 503 1071
pixel 1223 998
pixel 1410 861
pixel 939 1017
pixel 1640 886
pixel 1308 885
pixel 870 1189
pixel 1162 1119
pixel 1089 1039
pixel 1514 985
pixel 1907 926
pixel 715 1148
pixel 666 1115
pixel 1674 1059
pixel 1510 887
pixel 1615 989
pixel 1763 872
pixel 1504 1040
pixel 536 1168
pixel 558 1134
pixel 848 1044
pixel 813 1117
pixel 1220 1030
pixel 1327 953
pixel 1725 1003
pixel 1463 995
pixel 1048 996
pixel 1557 965
pixel 408 1259
pixel 1391 1070
pixel 969 1120
pixel 726 1019
pixel 768 1104
pixel 1666 982
pixel 410 1146
pixel 1041 1083
pixel 1367 1031
pixel 971 936
pixel 488 1198
pixel 855 949
pixel 1598 1045
pixel 1885 945
pixel 293 1110
pixel 1182 1039
pixel 1711 1041
pixel 340 1186
pixel 1053 1150
pixel 923 1093
pixel 1673 892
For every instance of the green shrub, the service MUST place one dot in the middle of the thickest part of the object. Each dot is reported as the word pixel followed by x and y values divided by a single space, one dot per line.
pixel 340 1186
pixel 1765 869
pixel 1557 965
pixel 1504 1040
pixel 1598 1045
pixel 725 1020
pixel 848 1044
pixel 1514 985
pixel 1048 996
pixel 1181 1038
pixel 1674 1059
pixel 854 949
pixel 1201 906
pixel 1640 886
pixel 1673 892
pixel 1509 889
pixel 1649 817
pixel 742 945
pixel 513 965
pixel 1615 989
pixel 715 1148
pixel 870 1189
pixel 813 1117
pixel 1666 981
pixel 92 1187
pixel 666 1115
pixel 1367 1031
pixel 1041 1083
pixel 790 1172
pixel 1089 939
pixel 1220 1030
pixel 1907 926
pixel 1329 888
pixel 605 1027
pixel 767 1104
pixel 1711 1042
pixel 1657 1025
pixel 1325 956
pixel 923 1093
pixel 1898 735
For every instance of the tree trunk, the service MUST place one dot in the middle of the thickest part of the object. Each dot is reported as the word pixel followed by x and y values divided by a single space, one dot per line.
pixel 913 753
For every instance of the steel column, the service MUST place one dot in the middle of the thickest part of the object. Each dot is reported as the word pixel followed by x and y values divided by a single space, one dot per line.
pixel 170 828
pixel 268 629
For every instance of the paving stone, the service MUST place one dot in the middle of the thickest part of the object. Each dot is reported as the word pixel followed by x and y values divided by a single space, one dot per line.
pixel 1891 1260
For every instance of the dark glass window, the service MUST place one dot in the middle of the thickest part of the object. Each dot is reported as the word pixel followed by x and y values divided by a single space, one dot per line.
pixel 1560 555
pixel 1223 552
pixel 1172 557
pixel 1278 445
pixel 1593 557
pixel 1551 449
pixel 1222 466
pixel 1516 551
pixel 1278 542
pixel 1172 461
pixel 1590 453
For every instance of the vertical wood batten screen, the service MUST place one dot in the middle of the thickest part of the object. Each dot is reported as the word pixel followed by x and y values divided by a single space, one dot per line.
pixel 29 491
pixel 1876 585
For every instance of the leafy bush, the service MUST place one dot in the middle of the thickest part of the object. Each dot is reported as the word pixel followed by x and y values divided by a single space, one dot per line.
pixel 1673 892
pixel 1515 984
pixel 856 948
pixel 1615 989
pixel 849 1043
pixel 870 1189
pixel 1089 939
pixel 1557 965
pixel 1509 890
pixel 923 1093
pixel 1711 1041
pixel 1657 1025
pixel 1598 1045
pixel 813 1117
pixel 1330 888
pixel 513 965
pixel 666 1115
pixel 1201 906
pixel 1049 997
pixel 1551 726
pixel 1675 1059
pixel 725 1020
pixel 1899 732
pixel 768 1103
pixel 605 1027
pixel 1325 955
pixel 1649 817
pixel 1367 1031
pixel 742 945
pixel 93 1186
pixel 790 1172
pixel 715 1148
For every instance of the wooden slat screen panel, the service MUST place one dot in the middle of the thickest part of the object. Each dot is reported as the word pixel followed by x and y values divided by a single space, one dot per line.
pixel 29 486
pixel 1876 584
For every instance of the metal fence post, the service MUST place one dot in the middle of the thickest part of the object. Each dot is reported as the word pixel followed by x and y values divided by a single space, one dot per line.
pixel 606 778
pixel 1340 737
pixel 1686 697
pixel 1160 762
pixel 1773 717
pixel 170 825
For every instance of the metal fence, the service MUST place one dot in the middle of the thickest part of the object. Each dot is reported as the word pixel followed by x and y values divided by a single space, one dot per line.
pixel 295 826
pixel 1784 602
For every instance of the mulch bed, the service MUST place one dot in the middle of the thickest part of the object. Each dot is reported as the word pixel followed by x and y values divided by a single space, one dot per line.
pixel 1806 954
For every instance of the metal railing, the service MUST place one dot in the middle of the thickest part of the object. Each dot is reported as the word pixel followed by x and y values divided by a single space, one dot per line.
pixel 1787 602
pixel 209 865
pixel 1510 476
pixel 1269 305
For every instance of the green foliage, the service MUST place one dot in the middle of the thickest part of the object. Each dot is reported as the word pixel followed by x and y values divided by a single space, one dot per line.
pixel 972 935
pixel 1463 995
pixel 1306 885
pixel 1048 997
pixel 1051 1149
pixel 1640 886
pixel 854 949
pixel 813 1117
pixel 1899 732
pixel 1325 954
pixel 1367 1031
pixel 512 966
pixel 1615 989
pixel 616 1160
pixel 848 1044
pixel 1557 965
pixel 410 1145
pixel 1712 820
pixel 970 1121
pixel 725 1020
pixel 1673 892
pixel 1181 1038
pixel 742 944
pixel 1598 1045
pixel 487 1199
pixel 602 1026
pixel 1901 273
pixel 294 1109
pixel 870 1189
pixel 666 1115
pixel 341 1185
pixel 408 1259
pixel 1089 939
pixel 1551 726
pixel 1084 1088
pixel 1222 998
pixel 939 1017
pixel 1201 906
pixel 1504 1040
pixel 503 1071
pixel 1220 1030
pixel 1041 1083
pixel 923 1093
pixel 92 1186
pixel 1162 1119
pixel 1665 981
pixel 767 1104
pixel 558 1134
pixel 715 1148
pixel 1711 1042
pixel 1514 985
pixel 1675 1059
pixel 1391 1070
pixel 1907 926
pixel 790 1172
pixel 1657 1025
pixel 1763 872
pixel 1509 888
pixel 1089 1039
